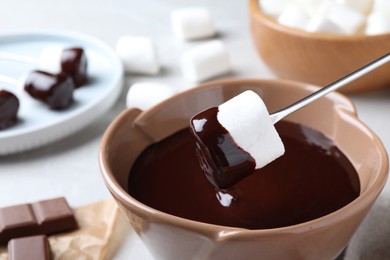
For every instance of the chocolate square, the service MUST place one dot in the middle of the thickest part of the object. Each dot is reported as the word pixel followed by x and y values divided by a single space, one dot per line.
pixel 54 215
pixel 16 221
pixel 32 248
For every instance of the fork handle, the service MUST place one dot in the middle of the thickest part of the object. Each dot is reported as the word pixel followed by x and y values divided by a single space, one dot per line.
pixel 278 115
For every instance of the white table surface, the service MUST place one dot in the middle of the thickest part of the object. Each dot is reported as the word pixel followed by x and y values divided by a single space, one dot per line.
pixel 70 167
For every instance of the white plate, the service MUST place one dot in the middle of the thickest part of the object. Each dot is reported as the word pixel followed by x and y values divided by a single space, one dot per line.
pixel 37 124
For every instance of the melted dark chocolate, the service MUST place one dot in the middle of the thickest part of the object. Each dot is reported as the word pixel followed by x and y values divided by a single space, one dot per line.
pixel 56 90
pixel 221 159
pixel 313 178
pixel 9 107
pixel 74 63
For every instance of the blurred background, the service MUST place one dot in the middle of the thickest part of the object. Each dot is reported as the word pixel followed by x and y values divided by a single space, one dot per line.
pixel 69 167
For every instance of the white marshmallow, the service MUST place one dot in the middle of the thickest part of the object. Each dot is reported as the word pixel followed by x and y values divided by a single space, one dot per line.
pixel 309 6
pixel 381 6
pixel 138 54
pixel 144 95
pixel 295 17
pixel 247 119
pixel 347 18
pixel 50 59
pixel 377 23
pixel 205 61
pixel 192 23
pixel 273 8
pixel 321 24
pixel 363 6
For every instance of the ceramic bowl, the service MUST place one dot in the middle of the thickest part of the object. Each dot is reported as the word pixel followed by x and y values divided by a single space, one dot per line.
pixel 318 58
pixel 171 237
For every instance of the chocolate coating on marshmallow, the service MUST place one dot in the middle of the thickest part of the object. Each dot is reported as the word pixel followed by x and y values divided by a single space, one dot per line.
pixel 9 107
pixel 220 157
pixel 235 138
pixel 56 90
pixel 74 63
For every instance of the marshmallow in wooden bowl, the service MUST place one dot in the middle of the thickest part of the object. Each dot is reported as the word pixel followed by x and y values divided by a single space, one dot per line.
pixel 309 6
pixel 377 23
pixel 363 6
pixel 322 24
pixel 294 16
pixel 348 17
pixel 381 6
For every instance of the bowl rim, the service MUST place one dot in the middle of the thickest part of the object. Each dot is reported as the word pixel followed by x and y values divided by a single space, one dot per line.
pixel 219 232
pixel 256 13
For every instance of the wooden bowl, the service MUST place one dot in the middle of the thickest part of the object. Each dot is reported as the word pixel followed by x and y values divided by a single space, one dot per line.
pixel 318 58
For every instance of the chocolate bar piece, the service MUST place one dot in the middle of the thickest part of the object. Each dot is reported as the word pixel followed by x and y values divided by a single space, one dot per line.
pixel 43 217
pixel 32 248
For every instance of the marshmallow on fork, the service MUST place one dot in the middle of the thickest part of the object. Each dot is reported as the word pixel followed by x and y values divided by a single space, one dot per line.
pixel 143 95
pixel 192 23
pixel 238 136
pixel 235 138
pixel 55 90
pixel 55 59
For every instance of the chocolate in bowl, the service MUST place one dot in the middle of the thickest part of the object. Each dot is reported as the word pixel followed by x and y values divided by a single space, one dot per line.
pixel 313 178
pixel 171 237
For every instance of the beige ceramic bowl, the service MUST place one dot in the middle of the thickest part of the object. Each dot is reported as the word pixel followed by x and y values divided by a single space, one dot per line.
pixel 318 58
pixel 171 237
